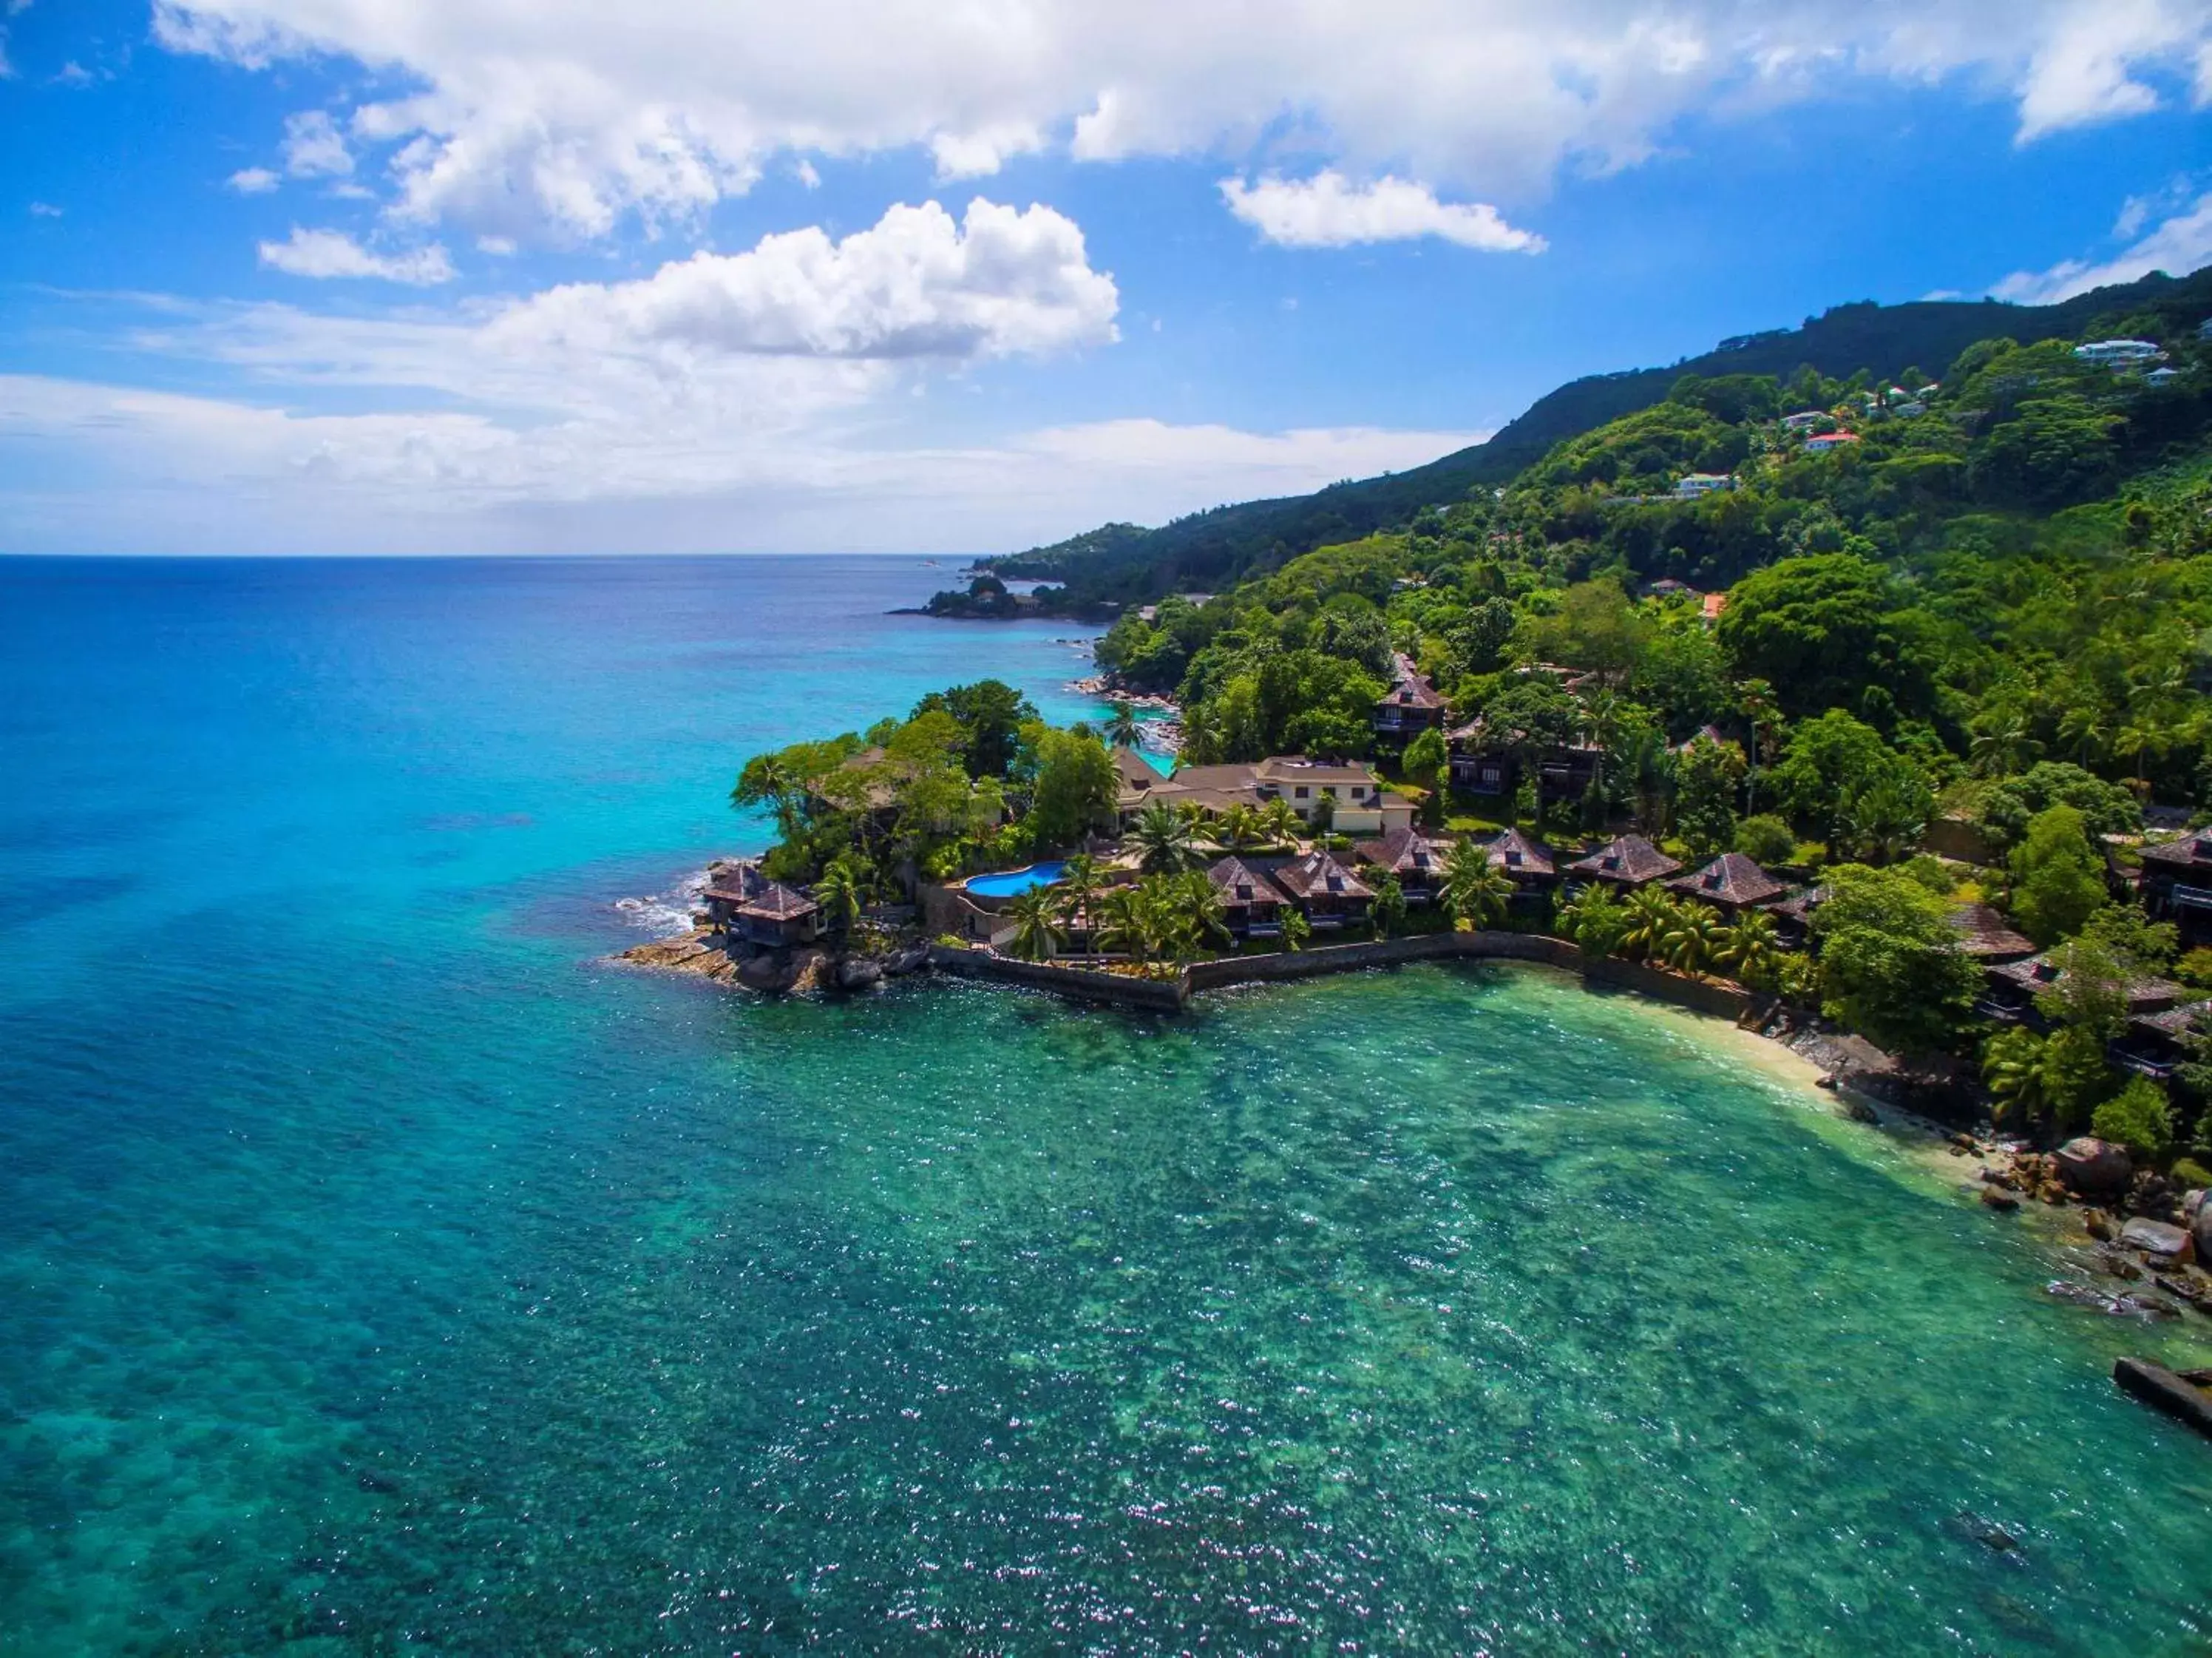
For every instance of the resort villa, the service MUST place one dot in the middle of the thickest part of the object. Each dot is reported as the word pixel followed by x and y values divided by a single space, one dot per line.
pixel 1823 442
pixel 1731 883
pixel 1251 904
pixel 1329 894
pixel 1487 761
pixel 2177 884
pixel 1626 862
pixel 1412 707
pixel 1700 483
pixel 747 905
pixel 1358 803
pixel 1413 857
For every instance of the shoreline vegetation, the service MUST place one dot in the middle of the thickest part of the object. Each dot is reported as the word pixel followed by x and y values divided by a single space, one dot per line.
pixel 1877 711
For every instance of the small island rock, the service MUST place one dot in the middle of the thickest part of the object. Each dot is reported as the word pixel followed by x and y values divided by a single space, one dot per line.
pixel 2091 1165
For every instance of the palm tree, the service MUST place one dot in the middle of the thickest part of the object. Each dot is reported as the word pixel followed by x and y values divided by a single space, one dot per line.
pixel 1651 917
pixel 1077 890
pixel 1240 826
pixel 1123 729
pixel 839 893
pixel 1763 715
pixel 1697 933
pixel 1750 952
pixel 2003 741
pixel 1129 924
pixel 1885 818
pixel 1037 929
pixel 2013 1070
pixel 1279 819
pixel 1599 718
pixel 1297 929
pixel 1594 920
pixel 2082 729
pixel 1163 840
pixel 1190 915
pixel 2137 742
pixel 1476 892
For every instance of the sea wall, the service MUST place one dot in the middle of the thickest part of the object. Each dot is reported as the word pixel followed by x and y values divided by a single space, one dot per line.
pixel 1382 953
pixel 1080 984
pixel 1723 1000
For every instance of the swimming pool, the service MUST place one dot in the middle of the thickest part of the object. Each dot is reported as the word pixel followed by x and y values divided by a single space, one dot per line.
pixel 1012 881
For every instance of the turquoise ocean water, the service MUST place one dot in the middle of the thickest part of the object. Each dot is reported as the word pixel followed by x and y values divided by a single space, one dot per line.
pixel 380 1271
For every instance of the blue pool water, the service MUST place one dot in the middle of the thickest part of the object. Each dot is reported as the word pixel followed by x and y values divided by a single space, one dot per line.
pixel 383 1271
pixel 1012 882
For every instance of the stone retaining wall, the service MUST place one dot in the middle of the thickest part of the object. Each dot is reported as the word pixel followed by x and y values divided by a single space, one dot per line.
pixel 1723 1000
pixel 1079 984
pixel 1384 953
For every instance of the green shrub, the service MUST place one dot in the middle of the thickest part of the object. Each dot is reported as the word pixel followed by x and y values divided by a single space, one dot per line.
pixel 2138 1117
pixel 1934 874
pixel 2191 1172
pixel 1765 840
pixel 2194 969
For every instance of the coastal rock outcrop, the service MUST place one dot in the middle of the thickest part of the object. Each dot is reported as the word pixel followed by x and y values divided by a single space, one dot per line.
pixel 2157 1239
pixel 2094 1167
pixel 858 974
pixel 2201 1229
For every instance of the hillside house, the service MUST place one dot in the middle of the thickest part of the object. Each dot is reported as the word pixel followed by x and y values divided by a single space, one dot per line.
pixel 1626 863
pixel 1413 706
pixel 1731 883
pixel 1410 855
pixel 1330 896
pixel 2177 884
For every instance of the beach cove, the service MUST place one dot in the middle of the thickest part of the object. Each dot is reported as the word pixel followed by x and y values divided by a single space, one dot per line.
pixel 388 1268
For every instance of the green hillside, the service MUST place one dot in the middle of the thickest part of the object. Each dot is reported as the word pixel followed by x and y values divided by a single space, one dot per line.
pixel 1210 550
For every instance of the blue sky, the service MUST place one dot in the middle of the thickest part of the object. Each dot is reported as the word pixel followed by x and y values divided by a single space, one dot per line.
pixel 324 276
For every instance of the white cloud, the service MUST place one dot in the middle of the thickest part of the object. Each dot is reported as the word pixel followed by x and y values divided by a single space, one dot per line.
pixel 776 397
pixel 183 474
pixel 918 285
pixel 45 211
pixel 2178 246
pixel 254 181
pixel 564 117
pixel 73 74
pixel 314 148
pixel 805 171
pixel 1327 210
pixel 327 254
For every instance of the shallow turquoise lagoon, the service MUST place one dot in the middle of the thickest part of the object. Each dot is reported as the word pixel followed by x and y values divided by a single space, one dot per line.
pixel 383 1272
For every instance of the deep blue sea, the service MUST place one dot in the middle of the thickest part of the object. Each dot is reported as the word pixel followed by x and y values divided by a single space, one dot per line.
pixel 382 1271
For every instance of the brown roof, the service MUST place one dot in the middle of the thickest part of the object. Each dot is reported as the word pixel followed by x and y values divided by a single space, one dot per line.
pixel 1319 872
pixel 1984 934
pixel 2173 1021
pixel 1630 859
pixel 1802 902
pixel 777 902
pixel 2191 852
pixel 1522 855
pixel 2039 972
pixel 1242 885
pixel 1403 850
pixel 1136 772
pixel 1410 687
pixel 1731 878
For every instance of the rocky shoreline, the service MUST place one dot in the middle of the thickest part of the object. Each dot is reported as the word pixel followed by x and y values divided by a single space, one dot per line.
pixel 706 953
